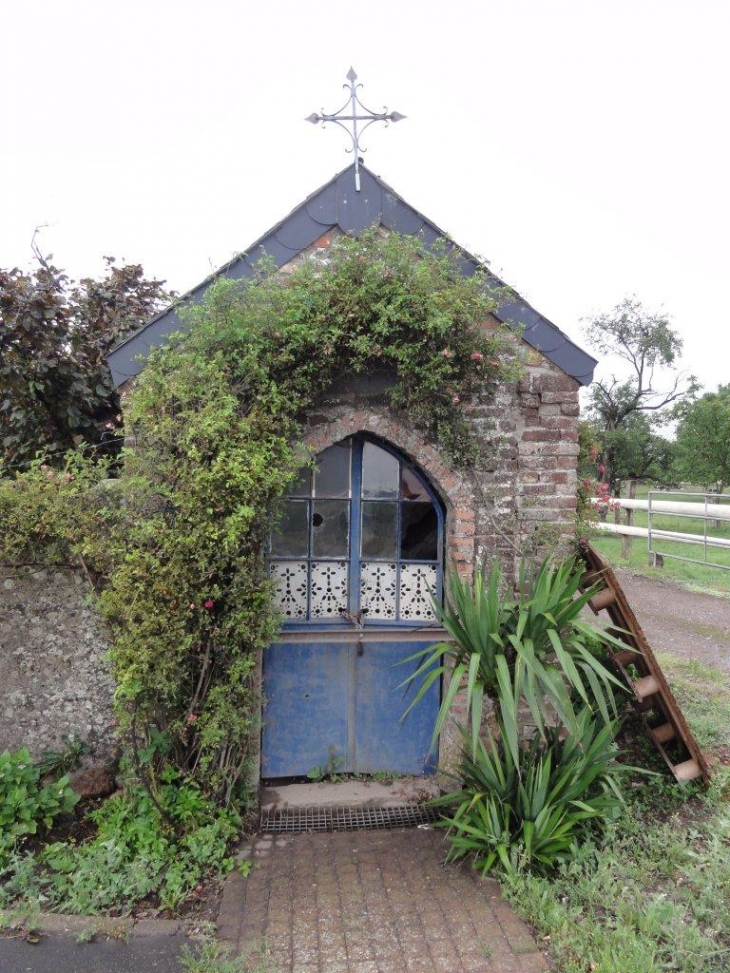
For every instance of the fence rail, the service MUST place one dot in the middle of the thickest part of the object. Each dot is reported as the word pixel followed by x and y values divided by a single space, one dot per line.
pixel 697 506
pixel 628 530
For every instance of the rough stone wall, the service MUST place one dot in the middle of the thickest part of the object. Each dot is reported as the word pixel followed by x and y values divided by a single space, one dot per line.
pixel 54 677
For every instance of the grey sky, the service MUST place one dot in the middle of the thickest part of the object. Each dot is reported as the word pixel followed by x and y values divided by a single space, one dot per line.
pixel 582 147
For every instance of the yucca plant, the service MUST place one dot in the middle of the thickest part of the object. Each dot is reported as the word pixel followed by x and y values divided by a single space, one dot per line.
pixel 525 802
pixel 478 619
pixel 541 627
pixel 530 784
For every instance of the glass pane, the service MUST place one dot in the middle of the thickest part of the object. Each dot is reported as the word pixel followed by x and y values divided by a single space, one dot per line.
pixel 330 528
pixel 379 472
pixel 419 532
pixel 332 476
pixel 291 534
pixel 379 529
pixel 302 486
pixel 411 487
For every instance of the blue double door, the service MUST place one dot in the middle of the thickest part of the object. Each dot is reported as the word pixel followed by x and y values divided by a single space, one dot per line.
pixel 335 703
pixel 355 563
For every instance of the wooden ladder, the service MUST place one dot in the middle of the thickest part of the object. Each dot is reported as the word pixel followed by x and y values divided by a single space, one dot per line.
pixel 653 699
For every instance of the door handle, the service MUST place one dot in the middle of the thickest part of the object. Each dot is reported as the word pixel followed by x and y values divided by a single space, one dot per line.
pixel 360 649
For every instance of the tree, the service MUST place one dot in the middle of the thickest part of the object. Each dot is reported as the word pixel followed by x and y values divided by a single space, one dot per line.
pixel 649 346
pixel 55 388
pixel 639 453
pixel 703 440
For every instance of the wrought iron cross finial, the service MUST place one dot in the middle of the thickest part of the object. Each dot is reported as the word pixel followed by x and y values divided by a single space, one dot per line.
pixel 369 117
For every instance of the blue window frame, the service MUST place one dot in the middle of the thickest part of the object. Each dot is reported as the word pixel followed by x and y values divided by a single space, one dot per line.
pixel 359 539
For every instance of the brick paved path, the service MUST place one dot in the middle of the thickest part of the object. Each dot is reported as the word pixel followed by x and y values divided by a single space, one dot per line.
pixel 371 902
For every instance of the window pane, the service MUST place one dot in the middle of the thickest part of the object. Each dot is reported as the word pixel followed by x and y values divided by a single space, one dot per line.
pixel 379 529
pixel 419 532
pixel 330 528
pixel 332 476
pixel 302 486
pixel 411 487
pixel 289 538
pixel 379 472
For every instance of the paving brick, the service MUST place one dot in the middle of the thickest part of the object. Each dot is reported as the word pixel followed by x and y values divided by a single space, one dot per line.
pixel 533 963
pixel 377 902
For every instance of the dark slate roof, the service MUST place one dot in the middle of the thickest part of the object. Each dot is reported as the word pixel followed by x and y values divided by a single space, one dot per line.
pixel 337 204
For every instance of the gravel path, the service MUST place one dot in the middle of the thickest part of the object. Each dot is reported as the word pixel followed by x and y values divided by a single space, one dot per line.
pixel 685 623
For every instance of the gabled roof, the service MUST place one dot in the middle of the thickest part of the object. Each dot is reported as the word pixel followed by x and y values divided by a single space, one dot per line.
pixel 337 204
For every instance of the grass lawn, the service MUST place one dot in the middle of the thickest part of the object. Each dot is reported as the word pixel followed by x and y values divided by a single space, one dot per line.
pixel 651 895
pixel 696 577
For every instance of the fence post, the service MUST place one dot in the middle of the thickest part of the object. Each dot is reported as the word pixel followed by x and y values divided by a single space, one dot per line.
pixel 627 541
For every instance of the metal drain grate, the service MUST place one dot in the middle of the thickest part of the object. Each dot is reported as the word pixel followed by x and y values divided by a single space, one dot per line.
pixel 295 820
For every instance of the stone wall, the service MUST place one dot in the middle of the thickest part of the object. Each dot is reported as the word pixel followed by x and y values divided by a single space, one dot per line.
pixel 54 677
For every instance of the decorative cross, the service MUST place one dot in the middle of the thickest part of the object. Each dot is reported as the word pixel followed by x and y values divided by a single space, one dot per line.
pixel 369 117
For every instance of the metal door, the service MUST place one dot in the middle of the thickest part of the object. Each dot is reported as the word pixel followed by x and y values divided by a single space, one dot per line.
pixel 356 559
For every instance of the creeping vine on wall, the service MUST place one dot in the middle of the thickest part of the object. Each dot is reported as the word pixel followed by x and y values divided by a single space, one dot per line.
pixel 176 544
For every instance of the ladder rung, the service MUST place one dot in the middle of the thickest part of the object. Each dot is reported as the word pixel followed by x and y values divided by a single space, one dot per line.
pixel 687 770
pixel 663 733
pixel 646 686
pixel 625 657
pixel 602 599
pixel 590 578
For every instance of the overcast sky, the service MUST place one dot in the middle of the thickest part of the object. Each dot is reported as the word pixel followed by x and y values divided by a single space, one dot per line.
pixel 582 147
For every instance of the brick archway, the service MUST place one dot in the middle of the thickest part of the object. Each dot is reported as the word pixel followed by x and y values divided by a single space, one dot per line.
pixel 453 486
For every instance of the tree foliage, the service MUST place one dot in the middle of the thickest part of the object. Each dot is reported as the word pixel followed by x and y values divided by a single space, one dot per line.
pixel 703 440
pixel 650 348
pixel 638 452
pixel 55 388
pixel 177 542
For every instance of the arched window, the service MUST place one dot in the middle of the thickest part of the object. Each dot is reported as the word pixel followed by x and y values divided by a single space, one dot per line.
pixel 360 538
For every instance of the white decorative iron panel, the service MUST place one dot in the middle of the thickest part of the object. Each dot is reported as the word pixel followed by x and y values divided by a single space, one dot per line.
pixel 417 582
pixel 329 589
pixel 377 589
pixel 290 596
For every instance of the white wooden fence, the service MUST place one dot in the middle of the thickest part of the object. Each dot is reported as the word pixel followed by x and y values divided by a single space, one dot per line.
pixel 702 506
